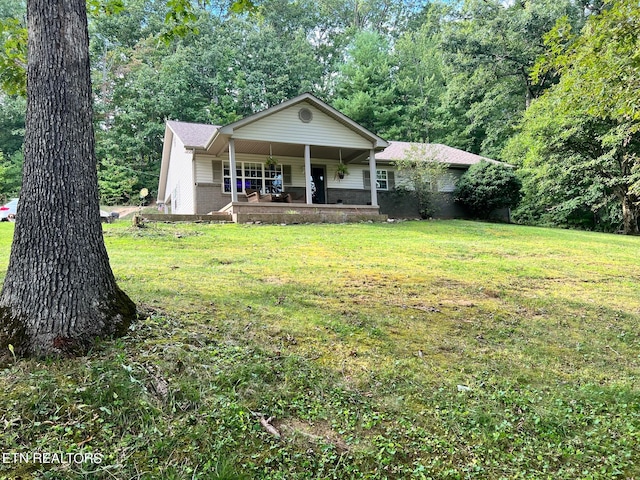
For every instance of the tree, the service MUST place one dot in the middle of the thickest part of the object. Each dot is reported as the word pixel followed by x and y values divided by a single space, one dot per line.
pixel 365 89
pixel 12 108
pixel 421 173
pixel 59 293
pixel 420 79
pixel 10 175
pixel 117 182
pixel 489 54
pixel 572 166
pixel 601 61
pixel 589 123
pixel 486 187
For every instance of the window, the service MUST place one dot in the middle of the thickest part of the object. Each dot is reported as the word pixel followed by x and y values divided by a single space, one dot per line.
pixel 447 183
pixel 381 180
pixel 254 176
pixel 385 180
pixel 174 198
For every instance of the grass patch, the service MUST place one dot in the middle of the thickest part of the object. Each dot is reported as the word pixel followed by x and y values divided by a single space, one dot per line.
pixel 414 350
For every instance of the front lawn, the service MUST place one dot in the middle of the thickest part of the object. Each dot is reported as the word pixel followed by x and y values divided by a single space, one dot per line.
pixel 444 349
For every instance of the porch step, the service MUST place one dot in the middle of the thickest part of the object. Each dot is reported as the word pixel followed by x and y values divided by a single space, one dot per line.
pixel 295 217
pixel 214 217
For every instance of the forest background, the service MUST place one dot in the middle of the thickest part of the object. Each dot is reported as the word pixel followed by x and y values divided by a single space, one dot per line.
pixel 550 86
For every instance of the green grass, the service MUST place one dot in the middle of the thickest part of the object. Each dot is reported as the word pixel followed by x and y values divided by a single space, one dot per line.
pixel 443 349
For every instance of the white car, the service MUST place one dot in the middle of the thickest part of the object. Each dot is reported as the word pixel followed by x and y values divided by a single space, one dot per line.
pixel 8 211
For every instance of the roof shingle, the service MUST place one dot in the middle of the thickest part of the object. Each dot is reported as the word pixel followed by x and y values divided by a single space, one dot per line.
pixel 431 151
pixel 194 135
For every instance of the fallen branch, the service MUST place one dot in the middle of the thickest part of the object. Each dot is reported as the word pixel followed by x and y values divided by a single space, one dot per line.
pixel 266 424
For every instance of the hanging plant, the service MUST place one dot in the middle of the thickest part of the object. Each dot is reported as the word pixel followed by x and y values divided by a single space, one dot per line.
pixel 271 161
pixel 341 171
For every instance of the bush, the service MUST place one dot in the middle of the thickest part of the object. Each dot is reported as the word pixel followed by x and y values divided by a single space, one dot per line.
pixel 486 187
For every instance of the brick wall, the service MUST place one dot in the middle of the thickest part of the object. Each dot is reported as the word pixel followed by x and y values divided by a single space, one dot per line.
pixel 209 198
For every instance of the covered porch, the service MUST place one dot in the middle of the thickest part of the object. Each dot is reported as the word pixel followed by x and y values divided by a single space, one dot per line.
pixel 292 158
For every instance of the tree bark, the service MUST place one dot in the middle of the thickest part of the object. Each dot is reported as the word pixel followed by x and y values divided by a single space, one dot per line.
pixel 630 215
pixel 59 293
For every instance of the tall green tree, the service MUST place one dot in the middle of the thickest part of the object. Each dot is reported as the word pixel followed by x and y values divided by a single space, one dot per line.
pixel 420 77
pixel 490 51
pixel 589 123
pixel 59 293
pixel 365 88
pixel 10 175
pixel 12 110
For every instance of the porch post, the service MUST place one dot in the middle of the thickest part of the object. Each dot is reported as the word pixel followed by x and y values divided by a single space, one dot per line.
pixel 373 177
pixel 232 168
pixel 307 173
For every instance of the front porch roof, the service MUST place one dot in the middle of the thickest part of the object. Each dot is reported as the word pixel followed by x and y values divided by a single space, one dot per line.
pixel 251 137
pixel 378 143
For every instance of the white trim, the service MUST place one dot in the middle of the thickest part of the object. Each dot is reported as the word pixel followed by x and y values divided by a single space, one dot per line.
pixel 307 173
pixel 386 179
pixel 373 175
pixel 232 166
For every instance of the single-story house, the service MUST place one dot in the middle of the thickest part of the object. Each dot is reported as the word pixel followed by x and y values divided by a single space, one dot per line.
pixel 292 153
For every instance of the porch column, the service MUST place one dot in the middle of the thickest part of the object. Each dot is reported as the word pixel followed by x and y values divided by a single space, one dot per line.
pixel 307 173
pixel 373 177
pixel 232 167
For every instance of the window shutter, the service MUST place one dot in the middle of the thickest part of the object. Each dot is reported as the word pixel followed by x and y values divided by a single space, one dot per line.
pixel 391 180
pixel 216 172
pixel 366 178
pixel 286 175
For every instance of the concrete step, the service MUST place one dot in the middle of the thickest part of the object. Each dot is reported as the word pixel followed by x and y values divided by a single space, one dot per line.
pixel 294 217
pixel 215 217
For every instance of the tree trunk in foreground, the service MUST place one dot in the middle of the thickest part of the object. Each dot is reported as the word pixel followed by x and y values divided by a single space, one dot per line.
pixel 59 294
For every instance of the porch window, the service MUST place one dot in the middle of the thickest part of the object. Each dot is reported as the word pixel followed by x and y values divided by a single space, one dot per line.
pixel 385 180
pixel 254 176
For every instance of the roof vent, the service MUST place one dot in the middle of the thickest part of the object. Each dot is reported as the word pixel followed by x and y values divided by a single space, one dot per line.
pixel 305 115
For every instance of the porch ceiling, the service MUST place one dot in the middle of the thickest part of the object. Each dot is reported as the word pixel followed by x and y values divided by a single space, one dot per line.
pixel 294 150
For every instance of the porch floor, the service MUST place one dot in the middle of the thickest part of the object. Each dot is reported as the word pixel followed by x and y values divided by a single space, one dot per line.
pixel 289 213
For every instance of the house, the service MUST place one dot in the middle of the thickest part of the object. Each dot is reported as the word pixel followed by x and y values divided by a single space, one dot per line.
pixel 287 159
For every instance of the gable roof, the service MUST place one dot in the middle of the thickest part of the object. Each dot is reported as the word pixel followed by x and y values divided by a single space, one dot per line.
pixel 435 151
pixel 378 142
pixel 192 135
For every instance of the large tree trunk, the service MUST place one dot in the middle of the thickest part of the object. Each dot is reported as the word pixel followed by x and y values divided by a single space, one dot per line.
pixel 59 294
pixel 630 215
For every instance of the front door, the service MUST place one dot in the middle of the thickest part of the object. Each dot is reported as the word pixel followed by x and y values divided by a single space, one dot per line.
pixel 318 175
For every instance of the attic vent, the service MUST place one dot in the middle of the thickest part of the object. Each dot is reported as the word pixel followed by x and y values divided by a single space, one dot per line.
pixel 305 115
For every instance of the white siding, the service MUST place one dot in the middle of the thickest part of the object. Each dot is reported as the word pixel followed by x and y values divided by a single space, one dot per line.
pixel 352 181
pixel 180 179
pixel 446 184
pixel 204 170
pixel 286 127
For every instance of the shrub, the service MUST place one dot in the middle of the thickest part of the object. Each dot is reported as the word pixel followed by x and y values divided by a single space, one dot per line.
pixel 486 187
